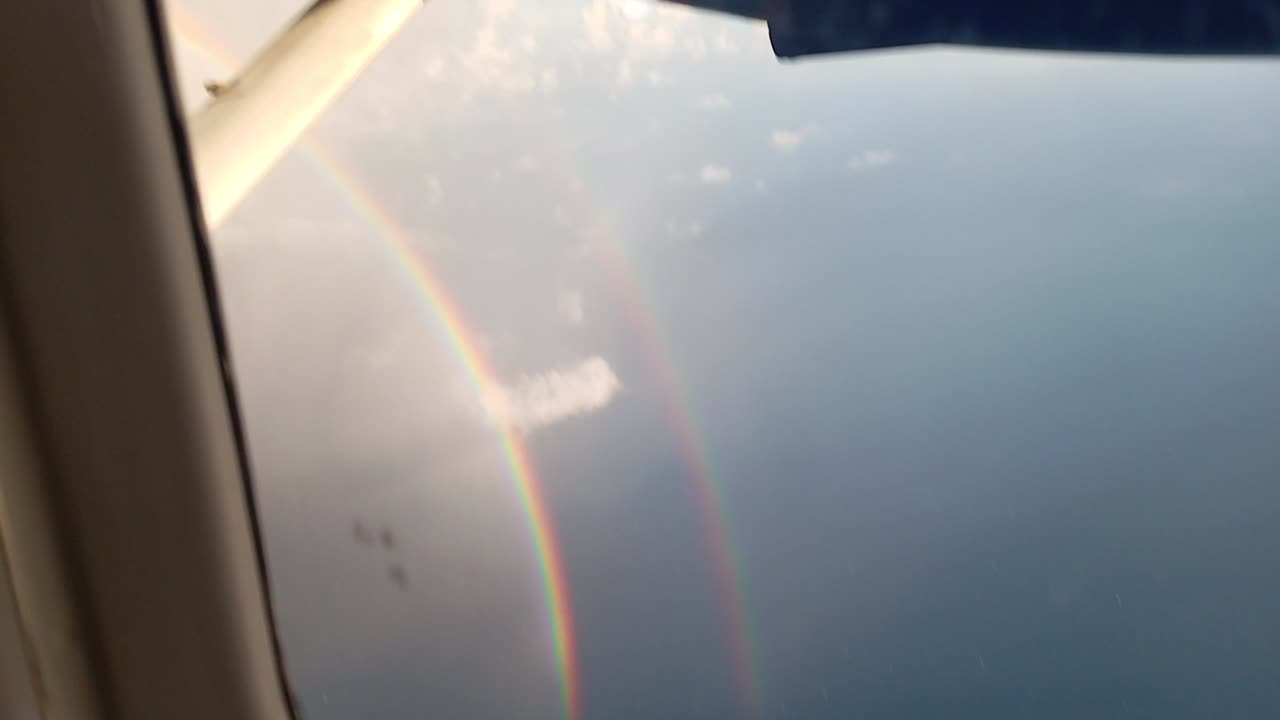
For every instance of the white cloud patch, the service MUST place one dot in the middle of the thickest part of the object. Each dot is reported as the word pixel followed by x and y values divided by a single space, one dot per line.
pixel 724 45
pixel 651 39
pixel 433 68
pixel 539 400
pixel 637 26
pixel 634 9
pixel 488 62
pixel 432 190
pixel 624 73
pixel 595 25
pixel 1173 185
pixel 569 305
pixel 550 79
pixel 714 102
pixel 715 174
pixel 872 159
pixel 785 140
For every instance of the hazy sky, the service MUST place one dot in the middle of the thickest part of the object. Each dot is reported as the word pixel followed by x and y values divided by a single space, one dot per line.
pixel 979 344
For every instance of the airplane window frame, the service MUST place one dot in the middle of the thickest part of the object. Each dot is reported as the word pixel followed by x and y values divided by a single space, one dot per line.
pixel 133 551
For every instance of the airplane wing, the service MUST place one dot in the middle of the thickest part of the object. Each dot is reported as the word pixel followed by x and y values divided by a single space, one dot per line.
pixel 754 9
pixel 254 117
pixel 1192 27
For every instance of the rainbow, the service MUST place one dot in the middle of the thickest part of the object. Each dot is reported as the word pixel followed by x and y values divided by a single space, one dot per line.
pixel 699 463
pixel 695 451
pixel 437 303
pixel 727 565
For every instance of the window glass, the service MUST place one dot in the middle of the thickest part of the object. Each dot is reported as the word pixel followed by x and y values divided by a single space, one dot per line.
pixel 598 364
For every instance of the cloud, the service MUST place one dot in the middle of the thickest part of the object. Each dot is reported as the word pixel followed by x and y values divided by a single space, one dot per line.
pixel 569 304
pixel 595 24
pixel 631 24
pixel 1173 185
pixel 488 62
pixel 715 174
pixel 634 9
pixel 432 190
pixel 872 159
pixel 713 102
pixel 539 400
pixel 550 79
pixel 433 68
pixel 651 39
pixel 724 45
pixel 624 72
pixel 785 140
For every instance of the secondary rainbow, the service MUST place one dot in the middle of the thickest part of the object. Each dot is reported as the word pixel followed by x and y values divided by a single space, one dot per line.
pixel 700 464
pixel 436 302
pixel 696 455
pixel 695 451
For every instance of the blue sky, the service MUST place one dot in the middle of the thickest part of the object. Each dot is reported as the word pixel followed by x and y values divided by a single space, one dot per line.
pixel 982 343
